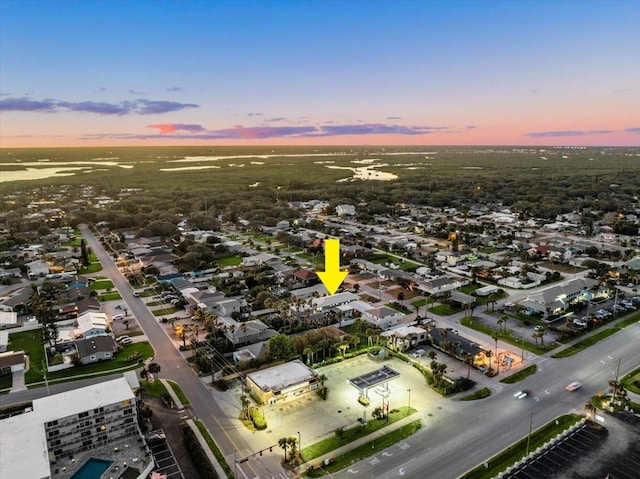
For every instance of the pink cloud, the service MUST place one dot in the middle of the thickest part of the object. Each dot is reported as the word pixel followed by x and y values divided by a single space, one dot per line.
pixel 164 128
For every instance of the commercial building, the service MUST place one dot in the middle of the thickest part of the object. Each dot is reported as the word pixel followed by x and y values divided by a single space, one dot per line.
pixel 284 383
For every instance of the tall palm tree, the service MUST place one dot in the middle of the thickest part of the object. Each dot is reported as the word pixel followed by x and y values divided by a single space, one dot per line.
pixel 283 442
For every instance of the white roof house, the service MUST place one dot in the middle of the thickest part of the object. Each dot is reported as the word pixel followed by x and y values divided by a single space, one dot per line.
pixel 333 300
pixel 92 323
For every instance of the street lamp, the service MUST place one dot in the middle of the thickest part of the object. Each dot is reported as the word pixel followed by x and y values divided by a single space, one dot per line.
pixel 409 402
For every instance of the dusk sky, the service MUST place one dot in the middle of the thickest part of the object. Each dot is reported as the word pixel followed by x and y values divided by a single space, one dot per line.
pixel 403 72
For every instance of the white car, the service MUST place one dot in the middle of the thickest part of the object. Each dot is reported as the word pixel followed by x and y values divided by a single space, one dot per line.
pixel 118 317
pixel 522 394
pixel 574 386
pixel 124 340
pixel 580 323
pixel 418 353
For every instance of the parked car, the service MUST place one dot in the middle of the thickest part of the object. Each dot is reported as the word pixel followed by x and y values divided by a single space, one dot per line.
pixel 175 301
pixel 418 353
pixel 452 330
pixel 539 328
pixel 628 305
pixel 136 294
pixel 635 299
pixel 118 317
pixel 581 323
pixel 618 308
pixel 124 340
pixel 574 386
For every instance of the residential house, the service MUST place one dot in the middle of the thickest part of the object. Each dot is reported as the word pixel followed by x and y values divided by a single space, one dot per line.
pixel 96 348
pixel 345 210
pixel 15 300
pixel 405 337
pixel 12 361
pixel 383 317
pixel 36 269
pixel 92 324
pixel 248 332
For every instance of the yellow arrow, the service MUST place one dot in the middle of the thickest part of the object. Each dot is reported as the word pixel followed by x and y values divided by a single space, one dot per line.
pixel 332 277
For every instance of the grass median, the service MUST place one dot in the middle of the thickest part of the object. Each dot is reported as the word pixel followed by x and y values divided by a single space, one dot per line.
pixel 214 448
pixel 346 436
pixel 507 337
pixel 520 375
pixel 366 450
pixel 179 392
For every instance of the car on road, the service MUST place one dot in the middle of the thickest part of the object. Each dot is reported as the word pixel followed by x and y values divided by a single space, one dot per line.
pixel 124 340
pixel 574 386
pixel 522 394
pixel 136 294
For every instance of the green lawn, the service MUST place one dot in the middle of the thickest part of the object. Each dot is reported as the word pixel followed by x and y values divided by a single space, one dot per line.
pixel 214 448
pixel 630 379
pixel 520 375
pixel 109 297
pixel 349 435
pixel 442 310
pixel 364 451
pixel 585 343
pixel 106 367
pixel 31 343
pixel 179 392
pixel 164 311
pixel 229 261
pixel 94 267
pixel 505 336
pixel 479 394
pixel 100 285
pixel 153 388
pixel 515 452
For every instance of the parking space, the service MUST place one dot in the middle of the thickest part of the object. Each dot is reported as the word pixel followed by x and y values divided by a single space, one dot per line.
pixel 163 455
pixel 316 418
pixel 564 453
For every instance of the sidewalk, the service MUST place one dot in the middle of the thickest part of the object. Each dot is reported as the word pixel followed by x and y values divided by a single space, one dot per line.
pixel 357 443
pixel 172 393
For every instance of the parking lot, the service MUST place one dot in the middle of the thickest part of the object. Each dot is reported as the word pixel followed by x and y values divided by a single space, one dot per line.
pixel 315 418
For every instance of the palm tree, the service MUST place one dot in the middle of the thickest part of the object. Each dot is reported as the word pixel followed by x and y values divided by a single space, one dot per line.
pixel 283 442
pixel 244 399
pixel 537 335
pixel 432 355
pixel 154 368
pixel 467 358
pixel 495 335
pixel 489 354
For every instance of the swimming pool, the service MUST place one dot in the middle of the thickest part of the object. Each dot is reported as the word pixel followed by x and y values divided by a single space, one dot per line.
pixel 92 469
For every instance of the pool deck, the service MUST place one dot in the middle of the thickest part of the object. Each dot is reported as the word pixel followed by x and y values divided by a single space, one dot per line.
pixel 124 454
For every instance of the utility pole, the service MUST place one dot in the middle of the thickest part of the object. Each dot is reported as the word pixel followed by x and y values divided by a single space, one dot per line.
pixel 529 437
pixel 522 356
pixel 615 387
